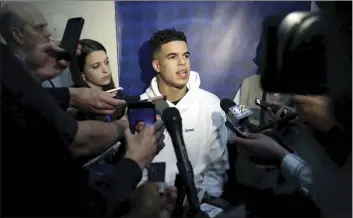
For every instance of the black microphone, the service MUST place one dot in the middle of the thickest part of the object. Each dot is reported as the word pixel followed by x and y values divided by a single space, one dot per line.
pixel 237 120
pixel 160 106
pixel 173 123
pixel 237 117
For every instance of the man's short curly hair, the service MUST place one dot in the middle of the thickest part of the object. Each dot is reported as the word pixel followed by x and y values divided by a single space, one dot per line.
pixel 162 37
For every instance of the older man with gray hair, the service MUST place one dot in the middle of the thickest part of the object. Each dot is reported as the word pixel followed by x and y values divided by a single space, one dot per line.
pixel 23 27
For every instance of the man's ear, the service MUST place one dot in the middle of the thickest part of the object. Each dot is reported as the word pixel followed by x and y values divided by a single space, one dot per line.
pixel 17 36
pixel 155 65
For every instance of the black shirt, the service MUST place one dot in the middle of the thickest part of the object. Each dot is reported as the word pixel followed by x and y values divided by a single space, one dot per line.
pixel 61 95
pixel 39 175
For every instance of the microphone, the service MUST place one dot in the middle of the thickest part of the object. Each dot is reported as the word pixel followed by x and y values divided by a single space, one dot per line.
pixel 237 117
pixel 237 120
pixel 173 124
pixel 160 106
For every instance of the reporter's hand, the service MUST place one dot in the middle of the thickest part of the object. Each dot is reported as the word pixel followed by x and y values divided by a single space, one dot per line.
pixel 92 100
pixel 147 202
pixel 169 201
pixel 124 122
pixel 145 145
pixel 314 110
pixel 262 146
pixel 122 126
pixel 277 115
pixel 42 63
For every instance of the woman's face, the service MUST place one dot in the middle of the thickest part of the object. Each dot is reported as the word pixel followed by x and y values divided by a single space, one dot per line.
pixel 97 69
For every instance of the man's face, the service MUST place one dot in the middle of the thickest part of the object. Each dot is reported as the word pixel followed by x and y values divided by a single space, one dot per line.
pixel 140 126
pixel 173 64
pixel 35 30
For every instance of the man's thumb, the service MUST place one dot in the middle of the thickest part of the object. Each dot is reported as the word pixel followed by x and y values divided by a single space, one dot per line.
pixel 50 47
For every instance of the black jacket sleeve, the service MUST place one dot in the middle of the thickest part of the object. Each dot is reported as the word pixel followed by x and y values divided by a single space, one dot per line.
pixel 62 95
pixel 18 84
pixel 336 144
pixel 117 184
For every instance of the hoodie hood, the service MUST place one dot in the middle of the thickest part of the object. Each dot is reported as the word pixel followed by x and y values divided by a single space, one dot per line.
pixel 153 91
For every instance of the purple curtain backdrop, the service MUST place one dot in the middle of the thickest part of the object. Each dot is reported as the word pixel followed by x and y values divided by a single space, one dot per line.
pixel 222 38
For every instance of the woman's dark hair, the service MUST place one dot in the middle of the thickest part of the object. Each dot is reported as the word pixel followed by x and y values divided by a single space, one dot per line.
pixel 78 64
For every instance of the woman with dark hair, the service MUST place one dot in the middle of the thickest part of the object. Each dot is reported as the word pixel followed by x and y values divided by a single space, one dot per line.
pixel 91 69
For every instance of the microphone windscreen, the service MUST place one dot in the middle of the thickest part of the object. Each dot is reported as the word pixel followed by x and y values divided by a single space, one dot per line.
pixel 226 104
pixel 160 106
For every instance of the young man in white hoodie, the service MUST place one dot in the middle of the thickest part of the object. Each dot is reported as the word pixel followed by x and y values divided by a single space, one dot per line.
pixel 204 131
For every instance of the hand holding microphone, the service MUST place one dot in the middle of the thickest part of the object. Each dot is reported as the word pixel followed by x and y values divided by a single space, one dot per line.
pixel 237 118
pixel 263 146
pixel 237 122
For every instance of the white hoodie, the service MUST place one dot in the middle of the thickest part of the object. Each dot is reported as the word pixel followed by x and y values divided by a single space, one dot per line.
pixel 205 136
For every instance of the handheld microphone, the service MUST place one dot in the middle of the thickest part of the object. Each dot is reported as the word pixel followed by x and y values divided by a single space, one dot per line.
pixel 237 117
pixel 173 124
pixel 237 114
pixel 160 106
pixel 237 120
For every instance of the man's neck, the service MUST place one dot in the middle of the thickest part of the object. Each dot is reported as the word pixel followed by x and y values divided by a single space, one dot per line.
pixel 173 94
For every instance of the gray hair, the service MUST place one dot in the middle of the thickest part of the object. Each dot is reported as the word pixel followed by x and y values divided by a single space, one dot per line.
pixel 10 18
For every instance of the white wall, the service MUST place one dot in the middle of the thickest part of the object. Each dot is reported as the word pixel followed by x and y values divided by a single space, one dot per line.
pixel 99 23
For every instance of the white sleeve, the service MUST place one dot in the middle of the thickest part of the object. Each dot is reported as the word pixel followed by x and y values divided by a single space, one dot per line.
pixel 237 97
pixel 299 171
pixel 217 164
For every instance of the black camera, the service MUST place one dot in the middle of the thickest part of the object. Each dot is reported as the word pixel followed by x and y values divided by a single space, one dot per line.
pixel 308 52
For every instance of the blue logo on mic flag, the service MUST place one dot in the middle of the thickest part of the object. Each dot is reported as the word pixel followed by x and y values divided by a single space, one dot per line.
pixel 241 112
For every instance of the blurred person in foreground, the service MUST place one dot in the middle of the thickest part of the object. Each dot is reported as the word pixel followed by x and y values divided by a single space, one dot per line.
pixel 322 167
pixel 323 162
pixel 262 182
pixel 40 141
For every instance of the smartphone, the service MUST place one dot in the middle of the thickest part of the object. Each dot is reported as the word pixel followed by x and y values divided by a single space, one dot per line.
pixel 116 89
pixel 156 175
pixel 71 38
pixel 141 115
